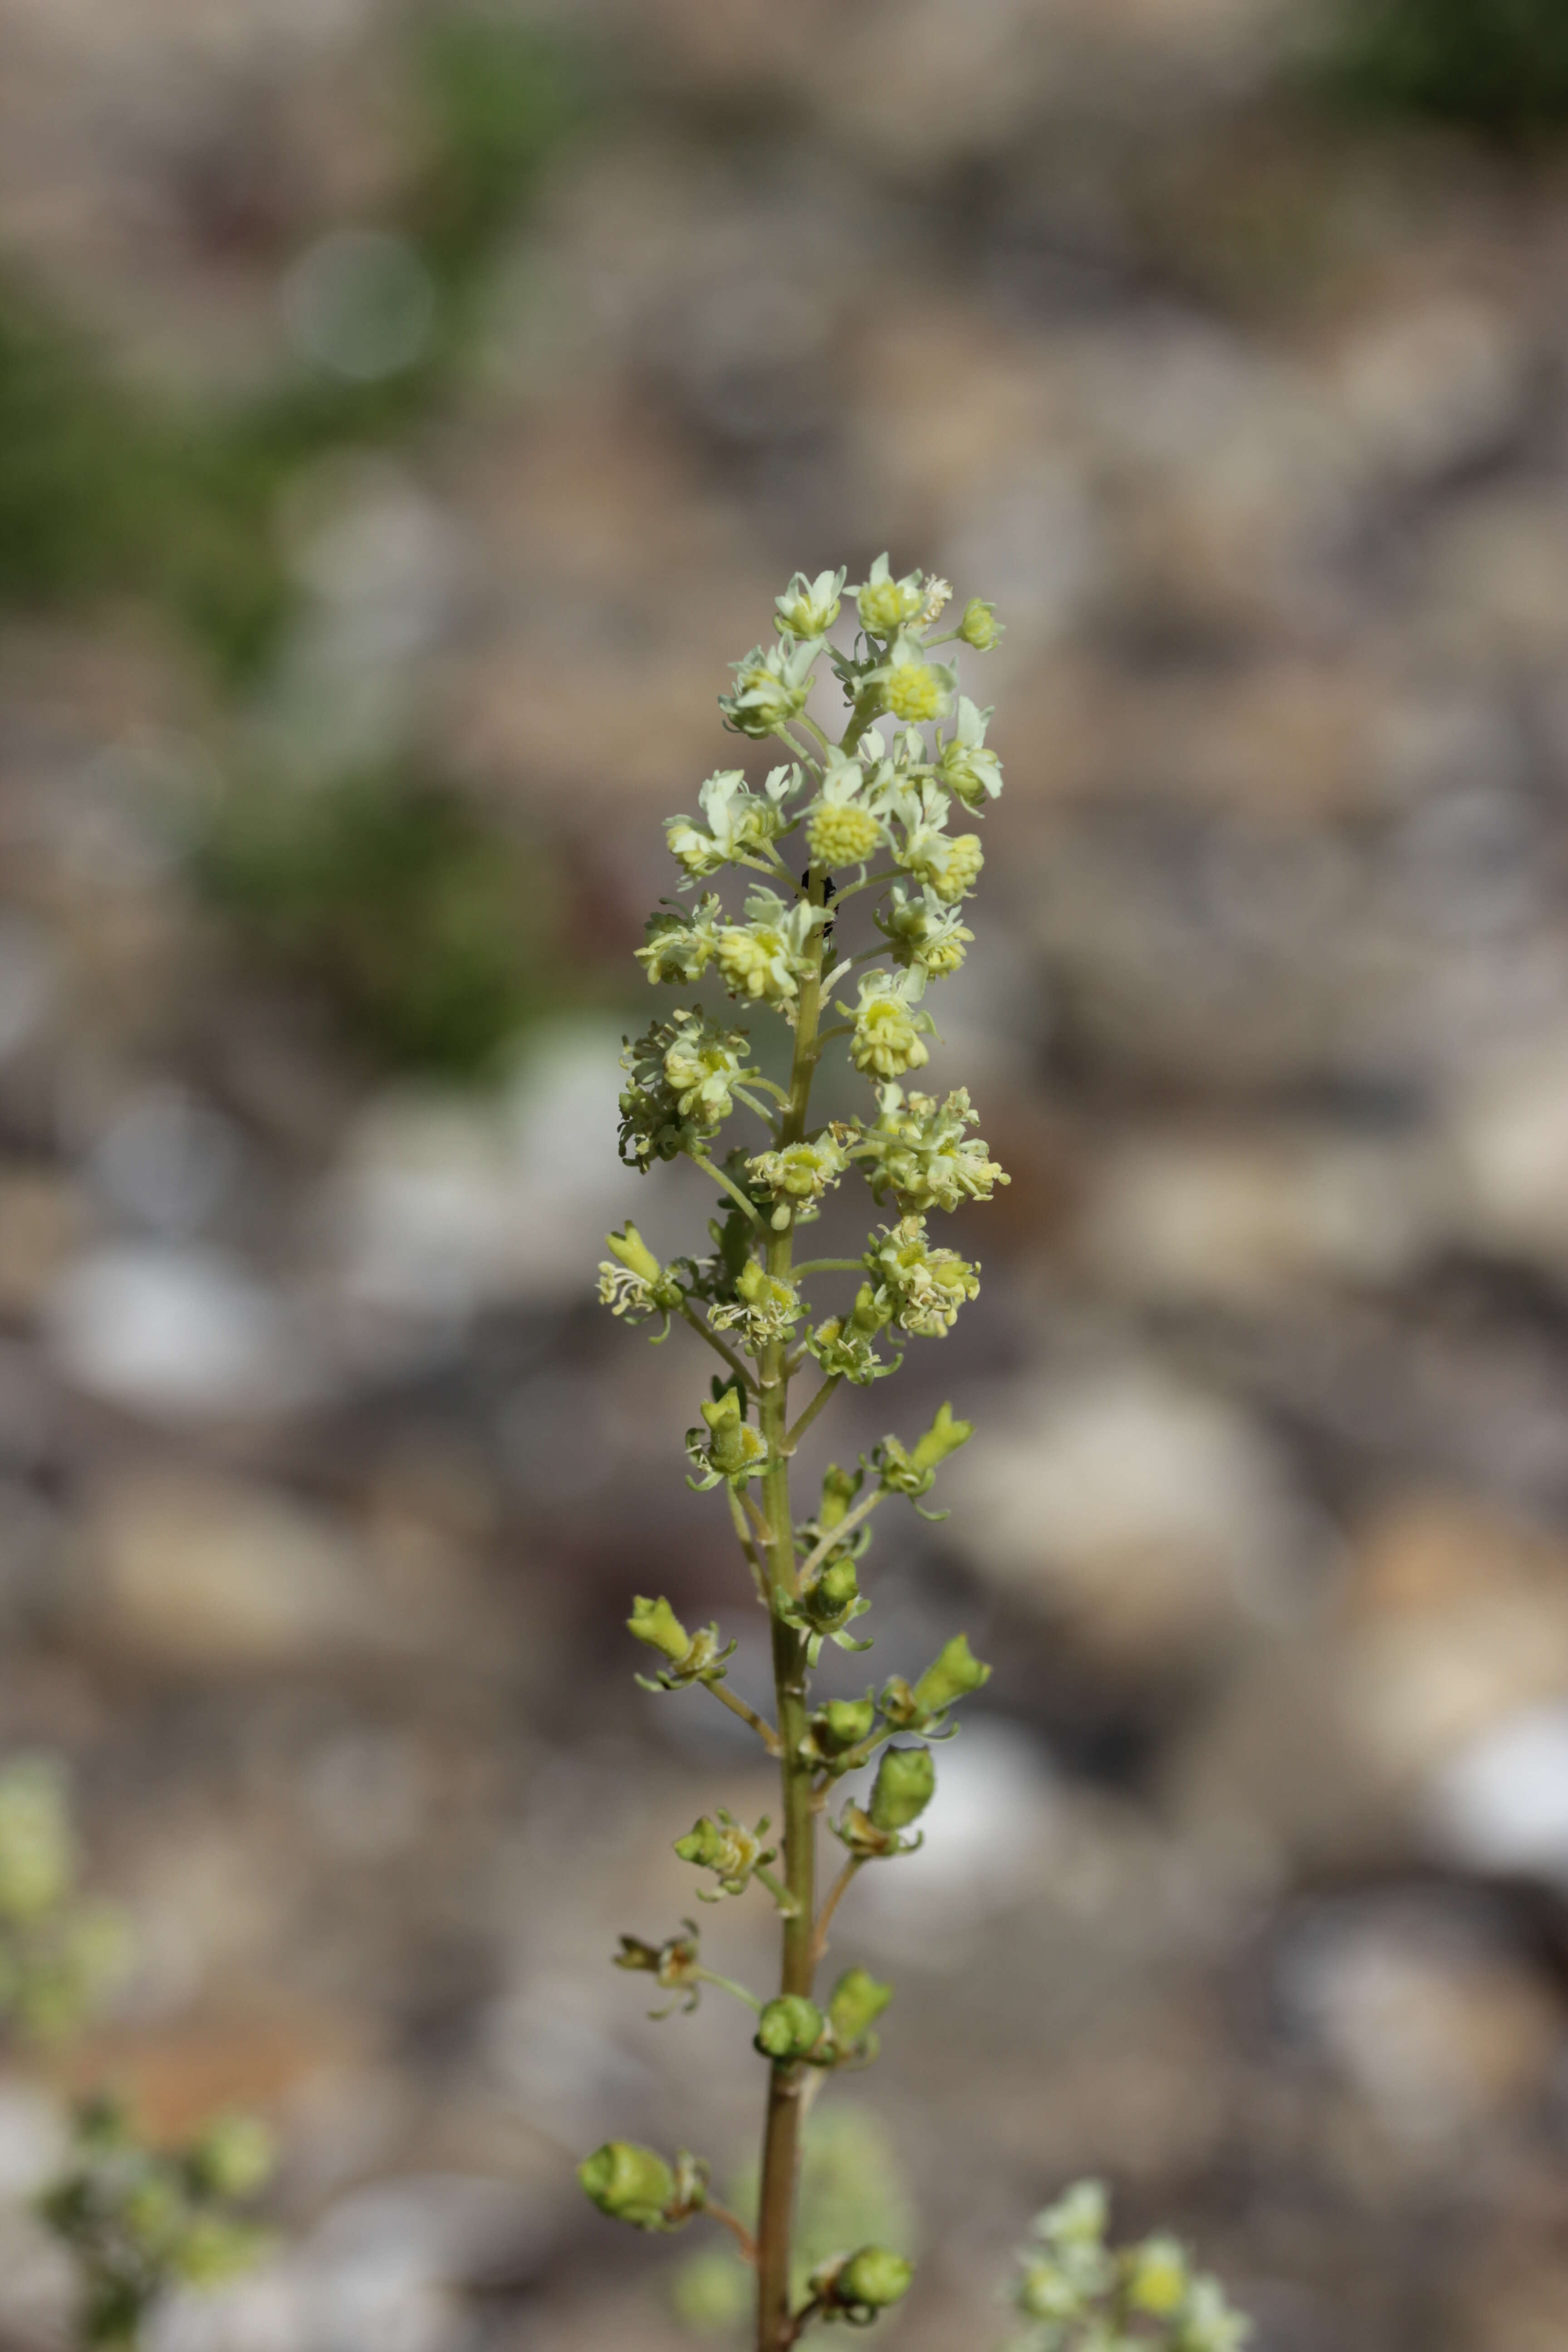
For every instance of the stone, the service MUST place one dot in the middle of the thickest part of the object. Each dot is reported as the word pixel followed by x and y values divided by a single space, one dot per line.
pixel 1154 1518
pixel 211 1574
pixel 172 1330
pixel 1248 1218
pixel 1455 1619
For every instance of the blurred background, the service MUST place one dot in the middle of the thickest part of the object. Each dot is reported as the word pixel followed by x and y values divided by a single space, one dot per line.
pixel 405 412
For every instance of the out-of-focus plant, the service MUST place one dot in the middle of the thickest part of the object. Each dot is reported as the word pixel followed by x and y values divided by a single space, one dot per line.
pixel 59 1950
pixel 402 904
pixel 883 812
pixel 1073 2293
pixel 104 491
pixel 1498 64
pixel 139 2221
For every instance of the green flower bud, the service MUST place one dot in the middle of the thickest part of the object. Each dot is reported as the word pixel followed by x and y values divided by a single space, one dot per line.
pixel 634 1254
pixel 856 2003
pixel 843 1723
pixel 835 1589
pixel 874 2278
pixel 628 2183
pixel 944 1436
pixel 980 627
pixel 906 1783
pixel 233 2157
pixel 655 1622
pixel 840 1488
pixel 953 1675
pixel 789 2028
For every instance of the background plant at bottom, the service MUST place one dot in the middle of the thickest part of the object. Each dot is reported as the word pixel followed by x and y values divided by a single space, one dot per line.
pixel 134 2220
pixel 1073 2293
pixel 139 2220
pixel 853 2192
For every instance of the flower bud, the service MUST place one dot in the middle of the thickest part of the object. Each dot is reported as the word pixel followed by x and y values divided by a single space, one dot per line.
pixel 952 1675
pixel 840 1488
pixel 980 627
pixel 628 2183
pixel 873 2278
pixel 655 1622
pixel 944 1436
pixel 789 2028
pixel 906 1783
pixel 843 1723
pixel 856 2003
pixel 634 1254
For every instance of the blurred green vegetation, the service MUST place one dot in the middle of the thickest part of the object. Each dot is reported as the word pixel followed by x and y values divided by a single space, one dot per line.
pixel 431 932
pixel 105 492
pixel 1499 66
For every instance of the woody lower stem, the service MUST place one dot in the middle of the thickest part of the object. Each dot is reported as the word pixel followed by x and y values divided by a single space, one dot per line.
pixel 780 2133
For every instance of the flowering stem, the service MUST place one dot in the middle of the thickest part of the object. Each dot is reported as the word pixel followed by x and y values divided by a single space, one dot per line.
pixel 781 2131
pixel 888 874
pixel 763 1730
pixel 830 1266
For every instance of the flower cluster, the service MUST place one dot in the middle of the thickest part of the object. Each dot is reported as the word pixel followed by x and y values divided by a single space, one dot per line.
pixel 918 1151
pixel 922 1287
pixel 740 822
pixel 1075 2293
pixel 681 1079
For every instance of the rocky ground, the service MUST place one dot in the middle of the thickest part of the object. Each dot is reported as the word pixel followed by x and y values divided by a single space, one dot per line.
pixel 325 1479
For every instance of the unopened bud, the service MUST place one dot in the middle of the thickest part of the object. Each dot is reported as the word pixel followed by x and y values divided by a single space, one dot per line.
pixel 944 1436
pixel 655 1622
pixel 856 2003
pixel 844 1723
pixel 951 1675
pixel 980 627
pixel 840 1488
pixel 634 1254
pixel 906 1783
pixel 628 2183
pixel 873 2278
pixel 789 2028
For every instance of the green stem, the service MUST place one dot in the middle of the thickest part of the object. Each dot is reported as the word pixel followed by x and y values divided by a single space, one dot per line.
pixel 719 1347
pixel 703 1162
pixel 727 1984
pixel 829 1265
pixel 836 1535
pixel 763 1730
pixel 812 1410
